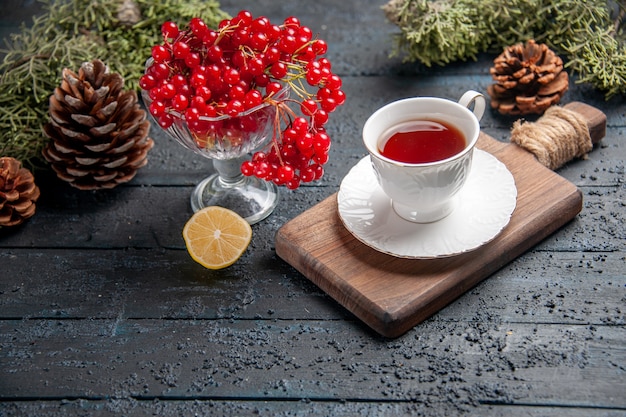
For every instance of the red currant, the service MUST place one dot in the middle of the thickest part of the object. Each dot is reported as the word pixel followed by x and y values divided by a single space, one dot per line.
pixel 169 30
pixel 320 46
pixel 294 183
pixel 307 174
pixel 262 80
pixel 314 76
pixel 259 41
pixel 278 70
pixel 180 102
pixel 209 38
pixel 261 169
pixel 285 174
pixel 204 93
pixel 320 118
pixel 300 125
pixel 201 73
pixel 272 89
pixel 288 44
pixel 241 36
pixel 192 114
pixel 272 54
pixel 243 18
pixel 319 171
pixel 321 142
pixel 339 96
pixel 160 53
pixel 291 21
pixel 231 76
pixel 256 66
pixel 328 104
pixel 198 27
pixel 305 144
pixel 273 32
pixel 234 107
pixel 157 108
pixel 252 99
pixel 289 151
pixel 165 121
pixel 333 82
pixel 290 135
pixel 147 82
pixel 159 70
pixel 181 49
pixel 214 53
pixel 197 80
pixel 321 158
pixel 247 168
pixel 308 107
pixel 193 59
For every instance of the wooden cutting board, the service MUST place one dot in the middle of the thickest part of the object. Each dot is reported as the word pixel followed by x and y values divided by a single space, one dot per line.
pixel 392 295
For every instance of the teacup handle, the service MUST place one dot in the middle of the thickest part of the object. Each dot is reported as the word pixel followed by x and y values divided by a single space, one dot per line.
pixel 478 99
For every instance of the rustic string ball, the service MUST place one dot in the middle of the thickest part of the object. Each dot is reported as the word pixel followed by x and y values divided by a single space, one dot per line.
pixel 559 136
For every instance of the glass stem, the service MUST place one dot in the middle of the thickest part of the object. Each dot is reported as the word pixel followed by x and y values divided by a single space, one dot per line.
pixel 229 171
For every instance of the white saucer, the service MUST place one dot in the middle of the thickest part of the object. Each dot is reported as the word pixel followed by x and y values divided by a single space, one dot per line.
pixel 483 208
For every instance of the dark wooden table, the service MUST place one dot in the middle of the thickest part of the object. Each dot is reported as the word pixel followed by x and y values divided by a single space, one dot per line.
pixel 103 312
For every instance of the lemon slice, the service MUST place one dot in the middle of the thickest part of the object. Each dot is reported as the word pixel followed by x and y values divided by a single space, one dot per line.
pixel 216 237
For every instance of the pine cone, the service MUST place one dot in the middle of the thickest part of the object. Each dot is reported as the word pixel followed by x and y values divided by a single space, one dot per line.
pixel 128 13
pixel 529 79
pixel 99 133
pixel 18 192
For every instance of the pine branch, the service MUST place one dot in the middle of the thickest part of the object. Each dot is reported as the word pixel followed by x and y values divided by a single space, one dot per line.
pixel 69 33
pixel 442 31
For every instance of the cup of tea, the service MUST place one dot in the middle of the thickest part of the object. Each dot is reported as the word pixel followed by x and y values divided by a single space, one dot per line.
pixel 421 150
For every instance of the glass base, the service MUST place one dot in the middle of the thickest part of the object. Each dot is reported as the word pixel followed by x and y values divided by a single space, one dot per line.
pixel 251 198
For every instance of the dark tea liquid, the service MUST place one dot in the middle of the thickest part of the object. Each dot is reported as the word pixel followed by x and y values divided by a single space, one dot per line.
pixel 421 141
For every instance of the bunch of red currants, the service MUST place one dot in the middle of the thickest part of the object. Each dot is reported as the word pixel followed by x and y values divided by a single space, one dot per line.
pixel 199 73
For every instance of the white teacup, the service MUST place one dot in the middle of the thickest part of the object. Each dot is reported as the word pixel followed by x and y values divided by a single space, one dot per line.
pixel 424 192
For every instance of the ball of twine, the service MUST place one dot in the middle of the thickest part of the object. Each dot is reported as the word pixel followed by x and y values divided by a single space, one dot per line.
pixel 559 136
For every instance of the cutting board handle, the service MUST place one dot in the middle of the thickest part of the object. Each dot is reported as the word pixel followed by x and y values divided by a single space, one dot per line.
pixel 596 119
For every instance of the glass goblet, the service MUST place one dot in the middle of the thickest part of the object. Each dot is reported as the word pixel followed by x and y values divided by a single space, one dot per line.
pixel 228 141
